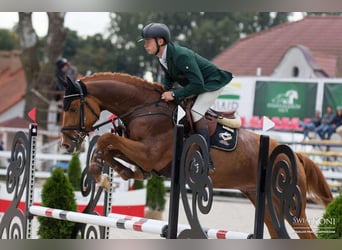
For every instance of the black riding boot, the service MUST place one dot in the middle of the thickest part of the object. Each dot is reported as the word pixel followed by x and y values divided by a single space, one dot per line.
pixel 201 128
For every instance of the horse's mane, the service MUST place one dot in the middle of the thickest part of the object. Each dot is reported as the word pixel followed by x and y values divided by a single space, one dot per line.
pixel 123 77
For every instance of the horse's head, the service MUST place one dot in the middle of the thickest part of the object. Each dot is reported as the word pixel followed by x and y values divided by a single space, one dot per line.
pixel 80 113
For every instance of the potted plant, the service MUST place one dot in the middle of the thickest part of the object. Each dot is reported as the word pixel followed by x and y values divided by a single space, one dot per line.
pixel 155 197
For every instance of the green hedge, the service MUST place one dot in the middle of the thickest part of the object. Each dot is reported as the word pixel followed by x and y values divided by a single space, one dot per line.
pixel 58 193
pixel 138 184
pixel 74 172
pixel 155 193
pixel 330 226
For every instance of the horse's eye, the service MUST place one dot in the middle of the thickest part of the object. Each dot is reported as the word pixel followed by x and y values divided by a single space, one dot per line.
pixel 73 110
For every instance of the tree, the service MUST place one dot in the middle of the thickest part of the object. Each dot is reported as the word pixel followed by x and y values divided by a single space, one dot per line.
pixel 57 193
pixel 207 33
pixel 40 73
pixel 96 54
pixel 8 40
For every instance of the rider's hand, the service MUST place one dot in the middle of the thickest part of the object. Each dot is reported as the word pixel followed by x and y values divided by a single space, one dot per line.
pixel 167 96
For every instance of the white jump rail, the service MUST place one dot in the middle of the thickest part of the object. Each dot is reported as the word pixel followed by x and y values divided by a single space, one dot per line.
pixel 139 224
pixel 128 222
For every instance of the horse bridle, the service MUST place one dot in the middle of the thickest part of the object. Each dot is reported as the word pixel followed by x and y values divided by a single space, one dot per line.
pixel 81 130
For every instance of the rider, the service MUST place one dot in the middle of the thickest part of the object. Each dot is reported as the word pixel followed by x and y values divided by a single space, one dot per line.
pixel 197 75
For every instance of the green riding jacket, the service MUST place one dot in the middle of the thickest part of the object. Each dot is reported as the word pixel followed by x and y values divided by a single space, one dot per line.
pixel 195 73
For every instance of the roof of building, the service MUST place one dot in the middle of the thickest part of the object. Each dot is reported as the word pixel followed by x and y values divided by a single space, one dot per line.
pixel 320 34
pixel 16 122
pixel 12 79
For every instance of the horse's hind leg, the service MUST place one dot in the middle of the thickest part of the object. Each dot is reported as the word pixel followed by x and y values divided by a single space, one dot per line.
pixel 251 195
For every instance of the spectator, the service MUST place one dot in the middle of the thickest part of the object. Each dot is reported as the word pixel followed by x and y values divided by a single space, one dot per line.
pixel 335 123
pixel 61 74
pixel 327 118
pixel 312 124
pixel 64 69
pixel 1 146
pixel 339 131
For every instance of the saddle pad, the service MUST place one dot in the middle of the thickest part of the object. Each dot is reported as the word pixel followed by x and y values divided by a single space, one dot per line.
pixel 224 138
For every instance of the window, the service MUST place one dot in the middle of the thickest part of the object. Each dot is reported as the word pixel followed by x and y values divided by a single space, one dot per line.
pixel 295 71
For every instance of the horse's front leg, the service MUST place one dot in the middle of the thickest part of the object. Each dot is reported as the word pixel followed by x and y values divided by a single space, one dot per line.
pixel 106 151
pixel 95 169
pixel 136 151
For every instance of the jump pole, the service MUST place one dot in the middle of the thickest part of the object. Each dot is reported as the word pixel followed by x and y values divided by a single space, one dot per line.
pixel 162 226
pixel 129 223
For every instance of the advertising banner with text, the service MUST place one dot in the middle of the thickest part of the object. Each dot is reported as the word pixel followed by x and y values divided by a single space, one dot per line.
pixel 238 95
pixel 285 99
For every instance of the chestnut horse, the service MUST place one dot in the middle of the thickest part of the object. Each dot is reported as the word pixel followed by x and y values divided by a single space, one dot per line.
pixel 148 140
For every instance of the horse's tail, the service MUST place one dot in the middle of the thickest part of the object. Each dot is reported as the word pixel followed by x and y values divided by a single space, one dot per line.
pixel 317 186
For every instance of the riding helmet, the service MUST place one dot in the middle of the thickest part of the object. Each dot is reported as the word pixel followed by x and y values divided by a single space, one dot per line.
pixel 61 62
pixel 155 30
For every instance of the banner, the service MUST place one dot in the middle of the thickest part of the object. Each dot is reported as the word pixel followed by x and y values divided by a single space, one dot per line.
pixel 332 96
pixel 238 95
pixel 285 99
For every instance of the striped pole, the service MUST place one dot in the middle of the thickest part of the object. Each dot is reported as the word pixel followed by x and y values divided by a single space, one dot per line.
pixel 139 224
pixel 128 222
pixel 145 225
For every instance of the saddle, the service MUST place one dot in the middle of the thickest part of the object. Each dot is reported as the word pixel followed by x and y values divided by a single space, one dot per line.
pixel 223 127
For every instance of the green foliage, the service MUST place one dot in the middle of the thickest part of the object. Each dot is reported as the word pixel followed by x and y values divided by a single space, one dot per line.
pixel 74 172
pixel 8 40
pixel 138 184
pixel 332 218
pixel 207 33
pixel 58 193
pixel 155 197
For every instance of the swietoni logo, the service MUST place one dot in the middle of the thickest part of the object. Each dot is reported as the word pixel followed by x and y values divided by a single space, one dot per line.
pixel 285 102
pixel 317 225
